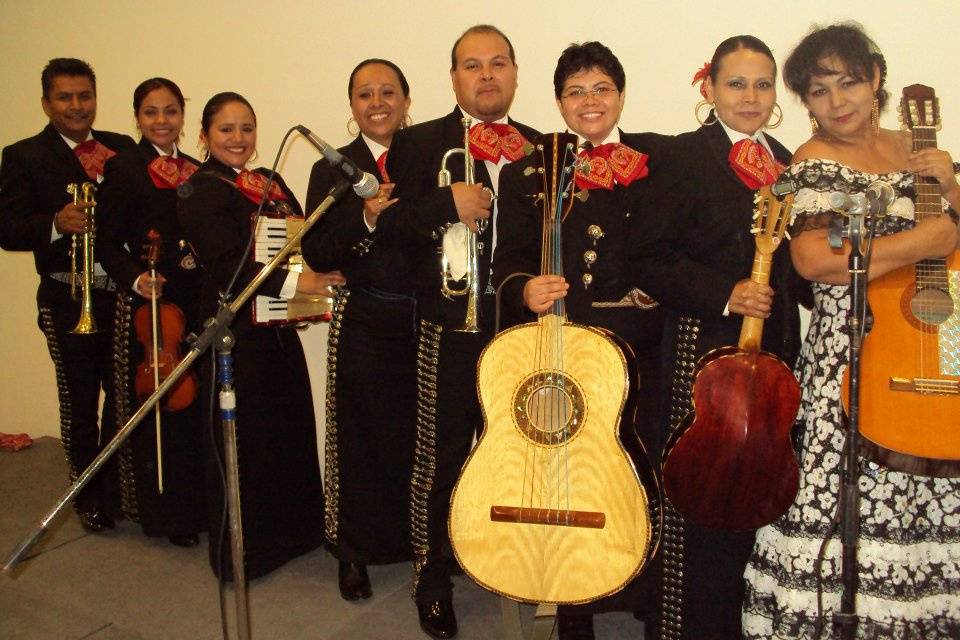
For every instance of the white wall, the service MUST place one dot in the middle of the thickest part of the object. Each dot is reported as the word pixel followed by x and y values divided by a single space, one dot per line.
pixel 291 58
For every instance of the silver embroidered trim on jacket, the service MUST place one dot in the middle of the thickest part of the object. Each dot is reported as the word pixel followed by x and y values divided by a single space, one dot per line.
pixel 63 390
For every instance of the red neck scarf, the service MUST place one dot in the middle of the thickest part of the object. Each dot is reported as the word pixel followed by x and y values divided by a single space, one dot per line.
pixel 609 163
pixel 168 172
pixel 491 141
pixel 753 164
pixel 252 184
pixel 93 155
pixel 382 165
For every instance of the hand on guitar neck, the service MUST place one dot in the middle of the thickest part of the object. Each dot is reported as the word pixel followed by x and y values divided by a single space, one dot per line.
pixel 752 299
pixel 937 164
pixel 542 291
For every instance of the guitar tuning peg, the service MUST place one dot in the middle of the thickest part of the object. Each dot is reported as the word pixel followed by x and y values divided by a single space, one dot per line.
pixel 529 171
pixel 582 196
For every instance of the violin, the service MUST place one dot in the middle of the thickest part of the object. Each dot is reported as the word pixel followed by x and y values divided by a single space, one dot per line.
pixel 160 328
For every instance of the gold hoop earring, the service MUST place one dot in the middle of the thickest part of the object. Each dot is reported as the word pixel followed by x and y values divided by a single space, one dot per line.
pixel 351 132
pixel 707 121
pixel 814 125
pixel 254 157
pixel 407 120
pixel 875 115
pixel 779 113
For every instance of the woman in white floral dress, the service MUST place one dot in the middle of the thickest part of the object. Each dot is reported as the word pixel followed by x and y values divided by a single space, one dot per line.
pixel 909 547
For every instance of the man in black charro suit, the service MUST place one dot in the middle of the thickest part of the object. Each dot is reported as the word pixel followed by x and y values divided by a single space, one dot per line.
pixel 37 214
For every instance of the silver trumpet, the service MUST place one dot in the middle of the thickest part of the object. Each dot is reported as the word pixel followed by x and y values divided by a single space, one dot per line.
pixel 83 196
pixel 461 233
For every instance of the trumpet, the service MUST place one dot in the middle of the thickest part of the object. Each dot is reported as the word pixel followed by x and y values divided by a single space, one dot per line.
pixel 459 233
pixel 82 278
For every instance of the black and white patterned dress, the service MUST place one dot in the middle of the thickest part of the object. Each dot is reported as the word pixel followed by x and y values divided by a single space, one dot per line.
pixel 909 549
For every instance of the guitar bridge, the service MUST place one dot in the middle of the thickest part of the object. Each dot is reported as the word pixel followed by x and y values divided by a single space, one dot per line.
pixel 938 386
pixel 556 517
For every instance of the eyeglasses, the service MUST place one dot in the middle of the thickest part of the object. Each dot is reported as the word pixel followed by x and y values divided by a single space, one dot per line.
pixel 579 93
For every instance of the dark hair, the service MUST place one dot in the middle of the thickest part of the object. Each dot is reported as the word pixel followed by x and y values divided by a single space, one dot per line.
pixel 586 56
pixel 736 43
pixel 848 43
pixel 216 103
pixel 146 87
pixel 480 28
pixel 65 67
pixel 353 74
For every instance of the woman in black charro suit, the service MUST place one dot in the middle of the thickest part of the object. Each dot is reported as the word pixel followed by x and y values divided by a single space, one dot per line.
pixel 695 258
pixel 139 196
pixel 281 494
pixel 371 365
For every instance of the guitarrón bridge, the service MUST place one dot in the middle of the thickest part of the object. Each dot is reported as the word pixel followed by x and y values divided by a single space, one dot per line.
pixel 557 517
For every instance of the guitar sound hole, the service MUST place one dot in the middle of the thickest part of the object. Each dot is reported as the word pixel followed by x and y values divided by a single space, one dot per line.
pixel 932 306
pixel 549 408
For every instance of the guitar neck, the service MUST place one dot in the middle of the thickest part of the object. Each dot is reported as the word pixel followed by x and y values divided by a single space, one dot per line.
pixel 932 271
pixel 551 260
pixel 751 331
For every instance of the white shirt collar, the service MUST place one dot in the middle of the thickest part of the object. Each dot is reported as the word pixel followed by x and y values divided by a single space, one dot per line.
pixel 164 153
pixel 503 120
pixel 71 143
pixel 612 138
pixel 736 136
pixel 375 147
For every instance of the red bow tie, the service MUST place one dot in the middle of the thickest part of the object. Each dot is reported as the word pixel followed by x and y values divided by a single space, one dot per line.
pixel 93 155
pixel 382 165
pixel 252 184
pixel 753 164
pixel 168 172
pixel 609 163
pixel 490 141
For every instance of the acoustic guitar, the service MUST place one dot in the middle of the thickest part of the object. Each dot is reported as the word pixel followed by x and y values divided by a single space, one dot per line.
pixel 730 464
pixel 910 363
pixel 549 507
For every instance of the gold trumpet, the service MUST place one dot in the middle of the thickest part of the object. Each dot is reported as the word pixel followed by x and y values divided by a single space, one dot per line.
pixel 459 232
pixel 83 196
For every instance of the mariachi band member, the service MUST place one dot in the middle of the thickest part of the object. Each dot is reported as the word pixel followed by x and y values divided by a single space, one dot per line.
pixel 908 558
pixel 589 86
pixel 281 494
pixel 484 76
pixel 371 350
pixel 37 214
pixel 695 259
pixel 139 198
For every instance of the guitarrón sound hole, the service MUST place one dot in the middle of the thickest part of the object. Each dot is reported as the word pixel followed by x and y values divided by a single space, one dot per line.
pixel 549 409
pixel 932 306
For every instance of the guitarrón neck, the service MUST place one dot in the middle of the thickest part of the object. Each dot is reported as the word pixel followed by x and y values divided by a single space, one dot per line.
pixel 551 260
pixel 932 272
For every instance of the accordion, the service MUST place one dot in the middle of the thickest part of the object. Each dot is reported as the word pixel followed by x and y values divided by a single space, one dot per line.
pixel 271 234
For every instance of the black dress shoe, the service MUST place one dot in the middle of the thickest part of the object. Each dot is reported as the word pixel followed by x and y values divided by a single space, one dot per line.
pixel 575 626
pixel 95 521
pixel 354 581
pixel 437 618
pixel 185 540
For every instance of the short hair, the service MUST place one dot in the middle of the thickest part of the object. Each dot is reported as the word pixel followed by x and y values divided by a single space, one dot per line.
pixel 582 57
pixel 480 28
pixel 736 43
pixel 146 87
pixel 846 42
pixel 216 103
pixel 65 67
pixel 353 74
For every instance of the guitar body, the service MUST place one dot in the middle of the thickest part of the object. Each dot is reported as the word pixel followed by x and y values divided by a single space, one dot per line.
pixel 548 507
pixel 910 425
pixel 731 464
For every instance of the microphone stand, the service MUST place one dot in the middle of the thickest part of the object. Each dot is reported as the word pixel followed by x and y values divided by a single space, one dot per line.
pixel 859 231
pixel 216 332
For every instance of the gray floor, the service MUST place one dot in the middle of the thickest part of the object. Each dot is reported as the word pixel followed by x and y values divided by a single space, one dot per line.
pixel 124 586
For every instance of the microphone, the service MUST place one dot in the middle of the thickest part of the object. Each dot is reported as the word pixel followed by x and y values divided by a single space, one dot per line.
pixel 364 184
pixel 847 204
pixel 880 195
